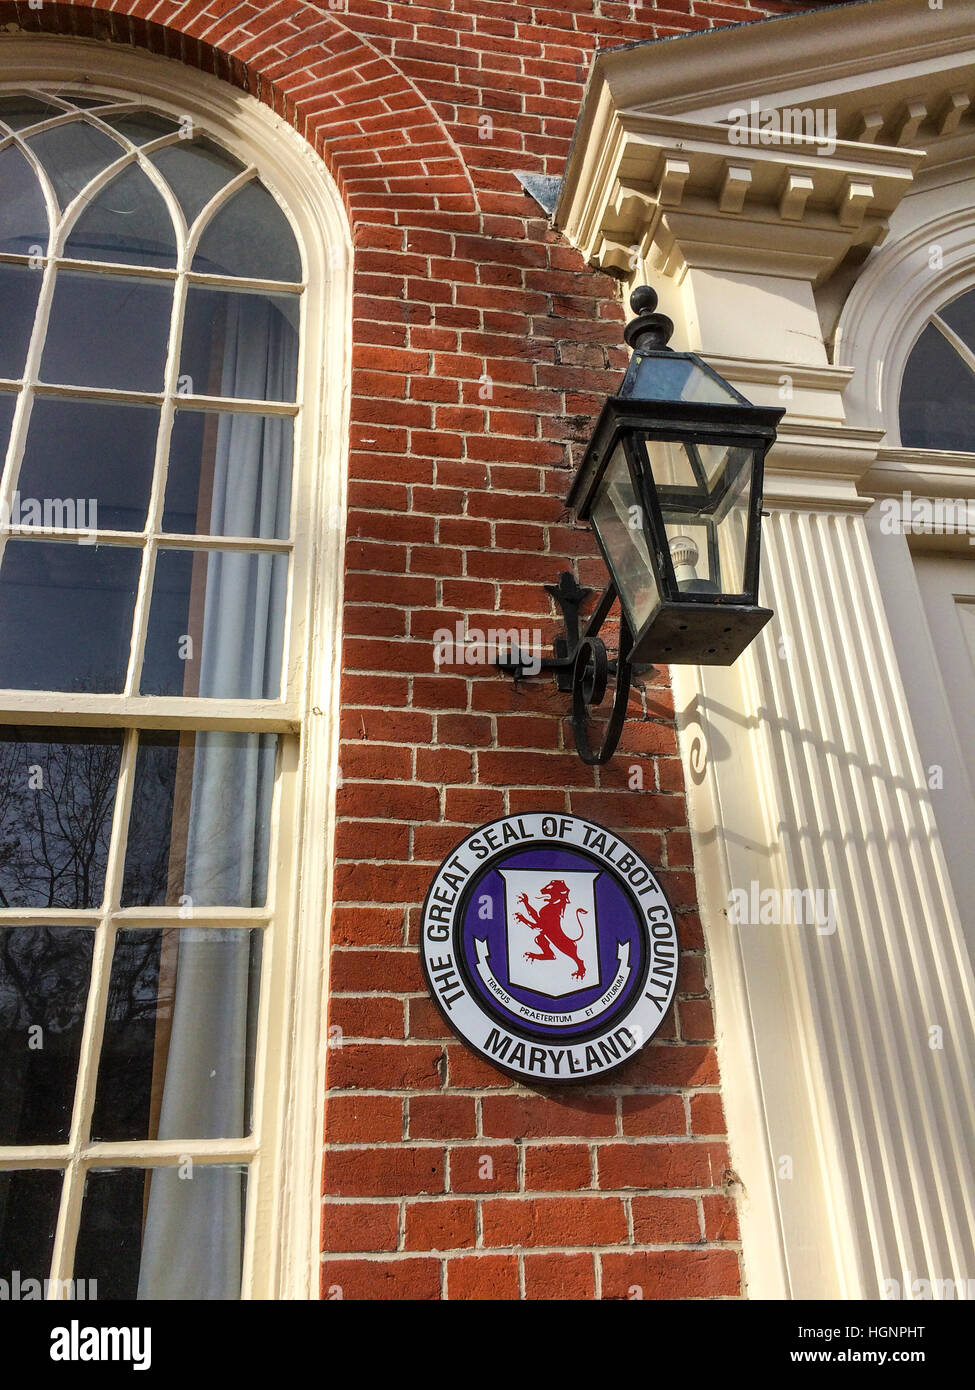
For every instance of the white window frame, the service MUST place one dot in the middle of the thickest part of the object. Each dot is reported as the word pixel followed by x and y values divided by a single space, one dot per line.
pixel 282 1236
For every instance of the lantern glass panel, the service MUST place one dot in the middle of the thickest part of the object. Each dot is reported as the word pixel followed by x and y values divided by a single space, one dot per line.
pixel 670 376
pixel 618 519
pixel 704 490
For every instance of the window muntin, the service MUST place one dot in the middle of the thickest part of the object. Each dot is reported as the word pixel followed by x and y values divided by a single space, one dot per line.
pixel 937 399
pixel 168 344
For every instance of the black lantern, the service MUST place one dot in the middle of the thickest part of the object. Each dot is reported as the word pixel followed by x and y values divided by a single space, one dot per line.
pixel 671 483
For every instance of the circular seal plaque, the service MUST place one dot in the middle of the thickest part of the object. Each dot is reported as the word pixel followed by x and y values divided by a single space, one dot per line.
pixel 549 947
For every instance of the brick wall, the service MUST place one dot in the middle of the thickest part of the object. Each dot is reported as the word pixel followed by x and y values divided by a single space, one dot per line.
pixel 482 348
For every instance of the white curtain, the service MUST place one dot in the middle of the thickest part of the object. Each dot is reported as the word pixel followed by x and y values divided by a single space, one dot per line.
pixel 193 1229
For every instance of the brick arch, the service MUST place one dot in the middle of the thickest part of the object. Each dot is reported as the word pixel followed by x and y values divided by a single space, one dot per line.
pixel 383 143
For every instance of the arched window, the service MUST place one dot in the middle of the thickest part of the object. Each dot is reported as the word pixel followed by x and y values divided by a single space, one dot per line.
pixel 937 399
pixel 154 564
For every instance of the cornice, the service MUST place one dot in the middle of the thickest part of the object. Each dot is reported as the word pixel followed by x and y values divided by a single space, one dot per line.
pixel 921 472
pixel 847 48
pixel 684 193
pixel 747 369
pixel 655 173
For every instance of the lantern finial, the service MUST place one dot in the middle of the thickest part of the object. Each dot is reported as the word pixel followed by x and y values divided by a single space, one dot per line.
pixel 649 331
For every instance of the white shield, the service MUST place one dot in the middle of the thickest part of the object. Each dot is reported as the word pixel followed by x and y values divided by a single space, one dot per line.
pixel 552 944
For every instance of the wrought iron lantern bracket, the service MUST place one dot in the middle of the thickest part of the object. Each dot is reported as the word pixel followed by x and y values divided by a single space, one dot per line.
pixel 581 664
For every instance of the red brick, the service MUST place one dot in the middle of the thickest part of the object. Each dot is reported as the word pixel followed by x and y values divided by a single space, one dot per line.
pixel 381 1280
pixel 532 1117
pixel 466 1070
pixel 664 1220
pixel 559 1277
pixel 367 926
pixel 389 1172
pixel 661 1064
pixel 483 1278
pixel 440 1225
pixel 671 1274
pixel 360 1226
pixel 480 1168
pixel 661 1165
pixel 425 1020
pixel 707 1114
pixel 720 1218
pixel 443 765
pixel 556 1167
pixel 696 1020
pixel 442 1117
pixel 383 1066
pixel 554 1221
pixel 373 1017
pixel 396 972
pixel 363 1119
pixel 653 1114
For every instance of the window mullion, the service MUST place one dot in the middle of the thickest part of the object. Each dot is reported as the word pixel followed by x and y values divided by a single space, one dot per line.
pixel 72 1195
pixel 25 397
pixel 157 495
pixel 961 347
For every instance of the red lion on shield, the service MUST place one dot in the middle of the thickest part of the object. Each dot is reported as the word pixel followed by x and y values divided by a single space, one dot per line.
pixel 548 923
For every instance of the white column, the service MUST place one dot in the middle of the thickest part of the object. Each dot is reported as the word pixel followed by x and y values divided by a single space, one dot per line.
pixel 805 775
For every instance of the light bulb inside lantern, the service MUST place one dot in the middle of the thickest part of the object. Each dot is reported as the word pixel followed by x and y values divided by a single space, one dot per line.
pixel 684 553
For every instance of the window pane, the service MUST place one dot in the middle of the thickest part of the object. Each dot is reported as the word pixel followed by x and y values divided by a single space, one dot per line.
pixel 937 406
pixel 57 794
pixel 44 977
pixel 127 222
pixel 216 625
pixel 98 452
pixel 89 100
pixel 237 344
pixel 177 1058
pixel 229 475
pixel 23 216
pixel 250 237
pixel 960 315
pixel 18 112
pixel 141 126
pixel 29 1202
pixel 66 615
pixel 72 155
pixel 195 170
pixel 8 402
pixel 199 828
pixel 108 330
pixel 19 288
pixel 152 1233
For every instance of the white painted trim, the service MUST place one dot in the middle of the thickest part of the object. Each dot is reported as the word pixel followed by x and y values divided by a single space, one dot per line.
pixel 896 294
pixel 284 1213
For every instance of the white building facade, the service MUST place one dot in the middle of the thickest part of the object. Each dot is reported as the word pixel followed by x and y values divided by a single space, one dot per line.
pixel 800 195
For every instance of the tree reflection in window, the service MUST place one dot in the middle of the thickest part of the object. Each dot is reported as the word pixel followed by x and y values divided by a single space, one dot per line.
pixel 57 795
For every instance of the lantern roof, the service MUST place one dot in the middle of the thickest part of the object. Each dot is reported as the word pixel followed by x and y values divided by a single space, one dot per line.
pixel 657 373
